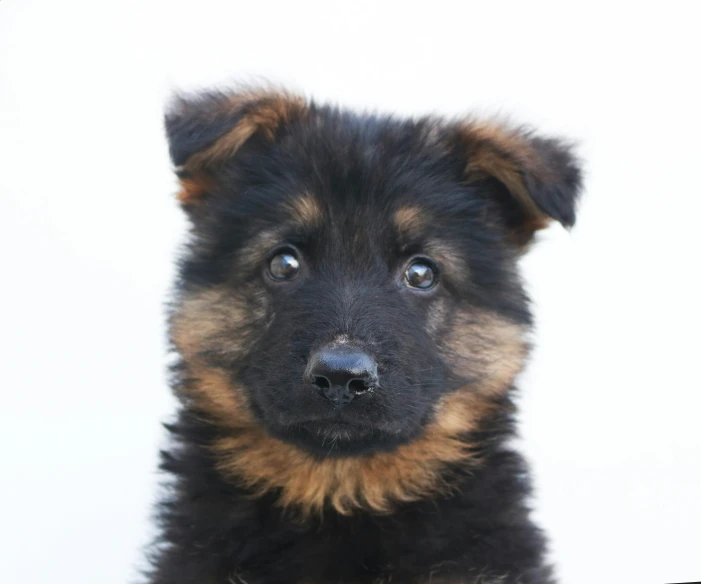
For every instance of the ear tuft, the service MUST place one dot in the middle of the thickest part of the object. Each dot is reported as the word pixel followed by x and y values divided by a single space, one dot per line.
pixel 541 175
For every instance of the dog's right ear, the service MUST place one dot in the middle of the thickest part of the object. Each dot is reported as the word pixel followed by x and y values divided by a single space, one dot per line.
pixel 206 130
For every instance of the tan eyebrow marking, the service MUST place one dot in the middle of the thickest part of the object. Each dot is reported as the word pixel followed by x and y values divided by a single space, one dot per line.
pixel 306 210
pixel 410 221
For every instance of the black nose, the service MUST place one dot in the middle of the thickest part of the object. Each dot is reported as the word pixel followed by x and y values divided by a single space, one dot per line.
pixel 342 373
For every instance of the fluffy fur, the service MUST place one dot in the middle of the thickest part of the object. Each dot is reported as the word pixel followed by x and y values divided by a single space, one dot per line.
pixel 413 481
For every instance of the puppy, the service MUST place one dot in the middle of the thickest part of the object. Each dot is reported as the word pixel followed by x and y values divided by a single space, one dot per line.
pixel 349 321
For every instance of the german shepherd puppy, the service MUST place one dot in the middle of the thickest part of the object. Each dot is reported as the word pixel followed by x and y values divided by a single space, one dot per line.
pixel 349 320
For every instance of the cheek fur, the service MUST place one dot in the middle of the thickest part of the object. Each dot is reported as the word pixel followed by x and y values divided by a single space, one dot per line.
pixel 219 323
pixel 485 349
pixel 216 330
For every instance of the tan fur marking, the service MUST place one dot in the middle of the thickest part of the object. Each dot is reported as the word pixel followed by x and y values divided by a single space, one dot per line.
pixel 306 484
pixel 211 321
pixel 306 210
pixel 197 321
pixel 268 112
pixel 487 349
pixel 410 221
pixel 193 188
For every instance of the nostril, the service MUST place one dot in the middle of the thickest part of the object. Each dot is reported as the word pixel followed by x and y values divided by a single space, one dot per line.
pixel 321 382
pixel 358 385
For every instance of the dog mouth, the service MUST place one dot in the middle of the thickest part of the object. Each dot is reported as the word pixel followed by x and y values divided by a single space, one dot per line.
pixel 334 430
pixel 338 436
pixel 343 430
pixel 374 418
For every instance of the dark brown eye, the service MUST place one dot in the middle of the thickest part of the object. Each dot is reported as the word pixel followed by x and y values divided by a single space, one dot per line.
pixel 420 275
pixel 284 266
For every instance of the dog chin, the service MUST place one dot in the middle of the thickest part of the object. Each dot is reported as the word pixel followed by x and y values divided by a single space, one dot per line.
pixel 335 438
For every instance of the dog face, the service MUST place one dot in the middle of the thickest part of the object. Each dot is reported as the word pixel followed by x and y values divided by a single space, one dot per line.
pixel 350 279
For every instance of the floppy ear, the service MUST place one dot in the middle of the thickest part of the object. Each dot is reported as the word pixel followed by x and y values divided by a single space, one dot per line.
pixel 206 130
pixel 539 178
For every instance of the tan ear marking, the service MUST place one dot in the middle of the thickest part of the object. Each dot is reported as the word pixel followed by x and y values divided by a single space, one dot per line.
pixel 266 112
pixel 505 154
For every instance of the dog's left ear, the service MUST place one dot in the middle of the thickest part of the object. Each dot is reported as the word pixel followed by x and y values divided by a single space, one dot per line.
pixel 537 179
pixel 206 130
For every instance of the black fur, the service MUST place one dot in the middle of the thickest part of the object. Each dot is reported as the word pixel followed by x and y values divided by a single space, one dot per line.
pixel 556 196
pixel 362 168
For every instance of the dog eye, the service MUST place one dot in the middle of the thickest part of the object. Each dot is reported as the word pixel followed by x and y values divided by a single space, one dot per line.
pixel 420 275
pixel 284 266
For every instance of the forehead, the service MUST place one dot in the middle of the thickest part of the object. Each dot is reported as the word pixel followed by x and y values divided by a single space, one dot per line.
pixel 345 174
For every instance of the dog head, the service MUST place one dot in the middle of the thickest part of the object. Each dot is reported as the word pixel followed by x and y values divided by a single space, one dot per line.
pixel 350 285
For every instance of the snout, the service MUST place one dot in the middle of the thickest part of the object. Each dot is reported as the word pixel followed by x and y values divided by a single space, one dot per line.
pixel 341 373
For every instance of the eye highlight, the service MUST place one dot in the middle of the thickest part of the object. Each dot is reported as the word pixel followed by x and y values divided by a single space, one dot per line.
pixel 283 266
pixel 420 274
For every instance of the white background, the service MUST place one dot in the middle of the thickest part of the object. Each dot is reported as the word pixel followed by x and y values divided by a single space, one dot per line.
pixel 89 230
